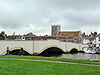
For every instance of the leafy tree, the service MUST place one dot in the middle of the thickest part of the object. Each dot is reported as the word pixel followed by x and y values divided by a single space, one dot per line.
pixel 95 33
pixel 3 32
pixel 2 35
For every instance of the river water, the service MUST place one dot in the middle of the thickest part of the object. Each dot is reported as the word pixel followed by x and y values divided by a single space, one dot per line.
pixel 79 56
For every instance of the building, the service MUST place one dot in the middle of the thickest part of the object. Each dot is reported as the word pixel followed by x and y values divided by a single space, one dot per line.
pixel 72 36
pixel 29 36
pixel 85 39
pixel 15 37
pixel 97 40
pixel 55 29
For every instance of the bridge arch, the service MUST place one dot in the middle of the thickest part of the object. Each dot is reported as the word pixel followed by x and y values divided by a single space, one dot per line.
pixel 16 50
pixel 74 50
pixel 52 50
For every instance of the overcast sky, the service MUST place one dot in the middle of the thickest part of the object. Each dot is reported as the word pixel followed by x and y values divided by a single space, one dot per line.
pixel 23 16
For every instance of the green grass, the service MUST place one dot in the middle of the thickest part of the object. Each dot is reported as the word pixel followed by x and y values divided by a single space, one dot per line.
pixel 25 67
pixel 49 58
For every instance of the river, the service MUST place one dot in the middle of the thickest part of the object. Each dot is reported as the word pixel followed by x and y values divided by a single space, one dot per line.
pixel 78 56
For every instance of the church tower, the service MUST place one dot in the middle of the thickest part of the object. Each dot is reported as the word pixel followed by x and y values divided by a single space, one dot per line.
pixel 55 29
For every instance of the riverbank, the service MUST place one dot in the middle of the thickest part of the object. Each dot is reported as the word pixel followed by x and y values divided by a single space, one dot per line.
pixel 94 62
pixel 26 67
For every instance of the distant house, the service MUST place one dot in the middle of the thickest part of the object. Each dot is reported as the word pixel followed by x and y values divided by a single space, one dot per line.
pixel 97 40
pixel 72 36
pixel 15 37
pixel 85 39
pixel 29 36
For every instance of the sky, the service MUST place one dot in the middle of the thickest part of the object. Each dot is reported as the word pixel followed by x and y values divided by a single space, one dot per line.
pixel 36 16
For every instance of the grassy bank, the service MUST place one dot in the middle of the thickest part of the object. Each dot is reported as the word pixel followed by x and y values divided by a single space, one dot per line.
pixel 49 58
pixel 24 67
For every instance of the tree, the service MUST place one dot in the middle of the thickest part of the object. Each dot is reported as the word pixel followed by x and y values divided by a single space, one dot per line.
pixel 2 35
pixel 3 32
pixel 95 33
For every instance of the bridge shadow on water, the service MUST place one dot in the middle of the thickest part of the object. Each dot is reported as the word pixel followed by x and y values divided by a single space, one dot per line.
pixel 17 52
pixel 73 51
pixel 56 52
pixel 52 52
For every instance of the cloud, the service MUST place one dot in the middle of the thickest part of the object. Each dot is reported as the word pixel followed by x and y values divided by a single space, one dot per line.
pixel 23 16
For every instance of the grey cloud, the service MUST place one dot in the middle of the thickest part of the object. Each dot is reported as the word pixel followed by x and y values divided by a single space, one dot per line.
pixel 71 14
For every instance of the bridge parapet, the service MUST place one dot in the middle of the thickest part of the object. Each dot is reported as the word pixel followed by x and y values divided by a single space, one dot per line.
pixel 15 44
pixel 38 46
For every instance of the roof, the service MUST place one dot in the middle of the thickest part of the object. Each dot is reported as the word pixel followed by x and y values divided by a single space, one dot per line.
pixel 6 38
pixel 70 32
pixel 98 34
pixel 29 35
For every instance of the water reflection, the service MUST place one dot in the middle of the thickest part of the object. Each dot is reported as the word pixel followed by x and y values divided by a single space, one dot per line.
pixel 51 55
pixel 79 56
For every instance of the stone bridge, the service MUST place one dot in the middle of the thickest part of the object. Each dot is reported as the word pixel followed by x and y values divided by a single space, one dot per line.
pixel 38 46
